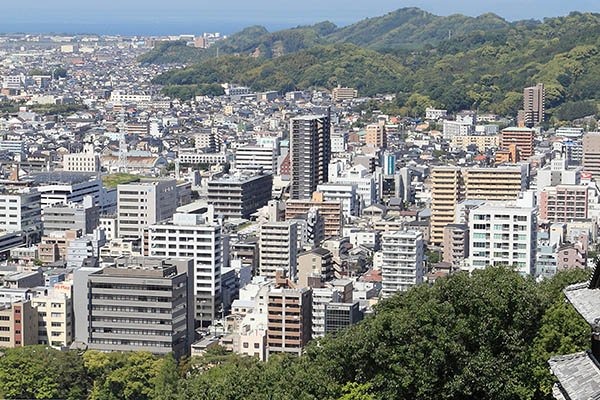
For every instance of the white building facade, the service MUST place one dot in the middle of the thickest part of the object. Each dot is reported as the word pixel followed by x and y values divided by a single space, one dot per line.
pixel 402 263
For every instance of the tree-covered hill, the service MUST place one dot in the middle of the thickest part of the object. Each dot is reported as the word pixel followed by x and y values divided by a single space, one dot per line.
pixel 483 70
pixel 406 27
pixel 485 336
pixel 412 27
pixel 167 52
pixel 321 66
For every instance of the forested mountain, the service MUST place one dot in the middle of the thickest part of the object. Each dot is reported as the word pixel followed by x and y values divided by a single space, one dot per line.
pixel 167 52
pixel 412 27
pixel 485 336
pixel 483 70
pixel 406 27
pixel 321 66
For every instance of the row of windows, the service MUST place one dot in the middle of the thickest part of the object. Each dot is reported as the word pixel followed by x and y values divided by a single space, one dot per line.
pixel 141 343
pixel 132 309
pixel 145 332
pixel 125 320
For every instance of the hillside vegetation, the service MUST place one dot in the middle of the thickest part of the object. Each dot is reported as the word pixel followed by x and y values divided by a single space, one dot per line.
pixel 485 336
pixel 483 70
pixel 167 52
pixel 406 27
pixel 320 66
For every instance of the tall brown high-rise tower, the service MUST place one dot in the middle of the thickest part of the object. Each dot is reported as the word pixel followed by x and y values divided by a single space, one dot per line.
pixel 533 104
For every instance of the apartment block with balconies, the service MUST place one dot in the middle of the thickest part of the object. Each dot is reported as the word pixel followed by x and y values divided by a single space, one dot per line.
pixel 402 266
pixel 278 248
pixel 447 190
pixel 289 312
pixel 503 233
pixel 564 203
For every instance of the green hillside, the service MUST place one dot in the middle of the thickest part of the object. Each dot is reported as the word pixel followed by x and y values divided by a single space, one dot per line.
pixel 411 27
pixel 406 27
pixel 321 66
pixel 479 70
pixel 171 52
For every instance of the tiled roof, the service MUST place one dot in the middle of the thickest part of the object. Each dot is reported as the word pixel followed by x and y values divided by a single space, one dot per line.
pixel 578 375
pixel 586 301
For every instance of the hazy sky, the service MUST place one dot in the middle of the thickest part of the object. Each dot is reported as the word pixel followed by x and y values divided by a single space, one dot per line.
pixel 228 16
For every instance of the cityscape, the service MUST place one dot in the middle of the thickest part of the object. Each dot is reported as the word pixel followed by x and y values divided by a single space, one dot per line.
pixel 385 210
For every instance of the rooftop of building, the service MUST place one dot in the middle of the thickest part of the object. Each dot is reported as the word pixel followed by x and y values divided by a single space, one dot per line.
pixel 145 181
pixel 139 271
pixel 578 374
pixel 61 177
pixel 586 301
pixel 308 117
pixel 238 177
pixel 517 129
pixel 318 251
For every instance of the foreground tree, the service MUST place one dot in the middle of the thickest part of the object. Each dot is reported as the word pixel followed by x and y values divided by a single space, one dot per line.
pixel 40 372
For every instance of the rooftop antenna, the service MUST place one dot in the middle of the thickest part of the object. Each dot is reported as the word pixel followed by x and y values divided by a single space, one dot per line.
pixel 122 142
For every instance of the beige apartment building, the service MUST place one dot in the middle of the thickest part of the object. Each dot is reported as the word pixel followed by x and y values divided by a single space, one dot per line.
pixel 591 154
pixel 331 211
pixel 55 317
pixel 450 185
pixel 86 161
pixel 344 93
pixel 446 192
pixel 18 324
pixel 456 244
pixel 376 135
pixel 501 183
pixel 482 142
pixel 316 263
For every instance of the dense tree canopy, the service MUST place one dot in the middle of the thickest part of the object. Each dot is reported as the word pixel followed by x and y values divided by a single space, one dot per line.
pixel 485 336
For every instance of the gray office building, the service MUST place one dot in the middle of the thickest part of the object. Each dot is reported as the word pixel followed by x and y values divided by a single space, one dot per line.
pixel 240 195
pixel 75 216
pixel 144 203
pixel 141 303
pixel 310 152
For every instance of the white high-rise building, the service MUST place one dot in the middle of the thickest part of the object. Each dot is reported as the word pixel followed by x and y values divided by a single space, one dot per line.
pixel 503 233
pixel 402 266
pixel 20 211
pixel 278 248
pixel 456 128
pixel 344 193
pixel 144 203
pixel 247 157
pixel 338 142
pixel 320 299
pixel 196 237
pixel 365 183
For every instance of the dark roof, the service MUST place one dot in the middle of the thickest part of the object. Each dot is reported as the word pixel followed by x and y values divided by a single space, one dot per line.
pixel 586 301
pixel 578 375
pixel 318 250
